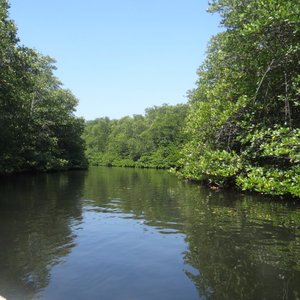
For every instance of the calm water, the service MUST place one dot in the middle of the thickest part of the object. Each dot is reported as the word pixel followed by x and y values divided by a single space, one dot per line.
pixel 111 233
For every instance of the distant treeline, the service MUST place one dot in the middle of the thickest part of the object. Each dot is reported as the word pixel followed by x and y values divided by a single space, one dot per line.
pixel 38 131
pixel 152 141
pixel 241 125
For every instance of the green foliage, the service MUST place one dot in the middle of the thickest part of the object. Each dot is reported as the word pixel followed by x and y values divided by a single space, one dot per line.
pixel 38 130
pixel 162 158
pixel 243 123
pixel 271 180
pixel 271 160
pixel 217 167
pixel 150 141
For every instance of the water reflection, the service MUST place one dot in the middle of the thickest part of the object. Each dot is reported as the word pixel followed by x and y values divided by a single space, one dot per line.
pixel 36 213
pixel 143 234
pixel 243 248
pixel 143 194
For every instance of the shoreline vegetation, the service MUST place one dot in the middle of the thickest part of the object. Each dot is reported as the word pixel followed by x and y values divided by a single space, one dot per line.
pixel 39 131
pixel 240 127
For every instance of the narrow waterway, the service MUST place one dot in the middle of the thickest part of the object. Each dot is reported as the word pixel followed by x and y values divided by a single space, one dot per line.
pixel 118 234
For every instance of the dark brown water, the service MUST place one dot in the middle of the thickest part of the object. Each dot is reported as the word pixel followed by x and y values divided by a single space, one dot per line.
pixel 111 233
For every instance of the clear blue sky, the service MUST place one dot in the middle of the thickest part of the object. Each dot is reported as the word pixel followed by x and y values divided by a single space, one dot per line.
pixel 119 57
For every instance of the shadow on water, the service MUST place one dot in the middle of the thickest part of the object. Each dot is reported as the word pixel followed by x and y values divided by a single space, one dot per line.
pixel 36 212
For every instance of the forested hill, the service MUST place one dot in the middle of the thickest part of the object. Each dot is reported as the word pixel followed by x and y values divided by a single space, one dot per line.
pixel 242 120
pixel 38 130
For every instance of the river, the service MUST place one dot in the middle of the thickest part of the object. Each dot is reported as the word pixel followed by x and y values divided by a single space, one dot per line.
pixel 113 233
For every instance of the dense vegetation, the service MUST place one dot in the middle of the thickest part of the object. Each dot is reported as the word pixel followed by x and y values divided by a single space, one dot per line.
pixel 38 130
pixel 241 126
pixel 154 140
pixel 243 123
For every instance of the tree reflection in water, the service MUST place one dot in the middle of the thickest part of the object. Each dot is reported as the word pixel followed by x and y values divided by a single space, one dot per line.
pixel 243 247
pixel 237 246
pixel 36 213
